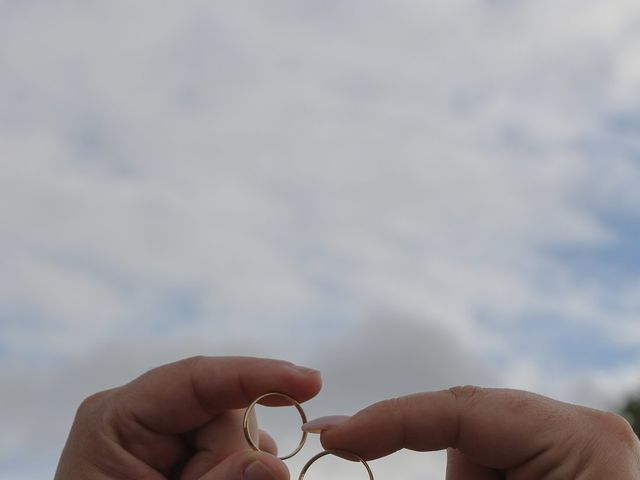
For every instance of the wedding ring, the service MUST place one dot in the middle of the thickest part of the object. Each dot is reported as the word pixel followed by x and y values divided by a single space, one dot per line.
pixel 247 416
pixel 337 453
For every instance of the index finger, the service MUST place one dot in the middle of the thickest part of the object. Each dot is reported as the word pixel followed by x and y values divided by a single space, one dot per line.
pixel 185 395
pixel 498 428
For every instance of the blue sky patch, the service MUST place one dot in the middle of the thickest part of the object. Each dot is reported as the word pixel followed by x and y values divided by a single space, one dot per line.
pixel 609 264
pixel 563 346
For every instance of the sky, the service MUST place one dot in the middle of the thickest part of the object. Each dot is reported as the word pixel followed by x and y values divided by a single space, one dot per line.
pixel 405 195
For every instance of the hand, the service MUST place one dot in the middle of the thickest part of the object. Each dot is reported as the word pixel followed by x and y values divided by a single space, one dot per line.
pixel 492 434
pixel 182 420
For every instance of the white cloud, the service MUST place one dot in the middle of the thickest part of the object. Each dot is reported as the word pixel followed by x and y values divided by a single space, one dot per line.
pixel 233 171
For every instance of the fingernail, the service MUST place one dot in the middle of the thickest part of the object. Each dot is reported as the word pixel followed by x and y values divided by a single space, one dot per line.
pixel 257 471
pixel 324 423
pixel 306 370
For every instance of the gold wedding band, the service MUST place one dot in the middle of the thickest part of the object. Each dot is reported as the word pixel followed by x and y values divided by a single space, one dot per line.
pixel 247 414
pixel 337 453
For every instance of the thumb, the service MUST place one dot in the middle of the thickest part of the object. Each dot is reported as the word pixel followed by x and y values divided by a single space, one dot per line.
pixel 249 465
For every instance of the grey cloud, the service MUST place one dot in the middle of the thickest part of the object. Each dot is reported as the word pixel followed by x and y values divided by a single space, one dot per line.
pixel 300 161
pixel 390 356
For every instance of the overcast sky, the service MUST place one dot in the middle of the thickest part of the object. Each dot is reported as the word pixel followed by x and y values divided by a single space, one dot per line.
pixel 407 195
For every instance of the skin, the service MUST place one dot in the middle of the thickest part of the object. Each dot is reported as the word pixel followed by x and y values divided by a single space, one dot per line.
pixel 182 421
pixel 493 434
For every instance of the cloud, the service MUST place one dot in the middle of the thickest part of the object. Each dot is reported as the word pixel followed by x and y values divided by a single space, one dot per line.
pixel 234 172
pixel 389 356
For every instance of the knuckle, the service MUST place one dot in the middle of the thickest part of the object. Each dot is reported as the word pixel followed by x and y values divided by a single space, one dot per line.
pixel 396 409
pixel 616 426
pixel 91 403
pixel 193 363
pixel 464 396
pixel 98 407
pixel 397 406
pixel 196 363
pixel 465 393
pixel 195 359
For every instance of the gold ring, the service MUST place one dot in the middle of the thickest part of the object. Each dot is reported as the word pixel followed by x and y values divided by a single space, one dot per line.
pixel 292 401
pixel 337 453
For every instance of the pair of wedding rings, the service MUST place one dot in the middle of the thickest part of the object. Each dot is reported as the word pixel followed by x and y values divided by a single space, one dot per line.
pixel 303 416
